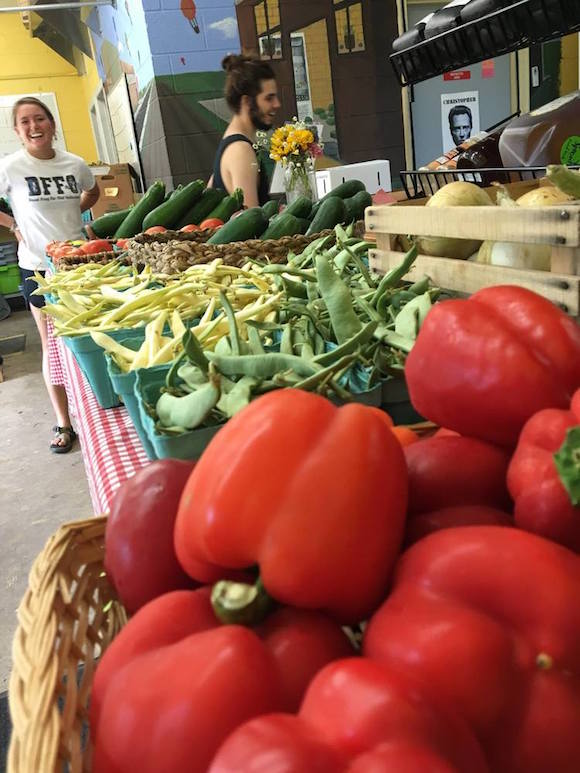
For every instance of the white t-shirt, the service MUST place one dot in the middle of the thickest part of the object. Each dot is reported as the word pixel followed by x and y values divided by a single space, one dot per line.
pixel 45 198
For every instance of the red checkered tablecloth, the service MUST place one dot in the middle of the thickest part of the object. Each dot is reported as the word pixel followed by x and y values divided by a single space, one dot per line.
pixel 112 451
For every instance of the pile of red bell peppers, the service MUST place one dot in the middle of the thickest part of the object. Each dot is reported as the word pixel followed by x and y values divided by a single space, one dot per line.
pixel 250 573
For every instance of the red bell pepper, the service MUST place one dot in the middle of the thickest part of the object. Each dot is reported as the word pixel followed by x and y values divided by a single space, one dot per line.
pixel 140 558
pixel 487 620
pixel 357 716
pixel 447 471
pixel 175 683
pixel 544 475
pixel 313 494
pixel 484 365
pixel 450 517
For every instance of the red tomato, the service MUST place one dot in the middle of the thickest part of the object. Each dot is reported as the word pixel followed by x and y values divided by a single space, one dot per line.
pixel 67 250
pixel 139 554
pixel 156 229
pixel 95 246
pixel 191 227
pixel 211 222
pixel 122 243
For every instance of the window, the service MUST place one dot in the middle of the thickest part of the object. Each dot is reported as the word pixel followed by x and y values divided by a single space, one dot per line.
pixel 349 26
pixel 267 16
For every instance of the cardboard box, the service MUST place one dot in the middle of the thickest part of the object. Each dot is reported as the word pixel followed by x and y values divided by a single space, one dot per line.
pixel 116 189
pixel 374 174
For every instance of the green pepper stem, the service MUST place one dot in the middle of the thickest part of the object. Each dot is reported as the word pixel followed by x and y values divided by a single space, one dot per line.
pixel 237 603
pixel 567 461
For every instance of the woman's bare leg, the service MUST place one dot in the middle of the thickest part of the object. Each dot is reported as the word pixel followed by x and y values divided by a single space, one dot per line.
pixel 57 394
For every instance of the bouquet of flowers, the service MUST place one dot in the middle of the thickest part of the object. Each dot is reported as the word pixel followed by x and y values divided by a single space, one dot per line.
pixel 295 146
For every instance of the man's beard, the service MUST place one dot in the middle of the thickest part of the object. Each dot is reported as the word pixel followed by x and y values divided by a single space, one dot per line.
pixel 256 117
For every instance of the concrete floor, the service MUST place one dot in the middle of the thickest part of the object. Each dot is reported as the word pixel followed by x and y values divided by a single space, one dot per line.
pixel 39 490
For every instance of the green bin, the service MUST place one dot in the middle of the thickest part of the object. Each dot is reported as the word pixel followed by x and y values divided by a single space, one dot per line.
pixel 188 445
pixel 91 359
pixel 124 386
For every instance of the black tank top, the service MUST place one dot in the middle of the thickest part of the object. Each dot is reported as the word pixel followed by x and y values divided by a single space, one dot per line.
pixel 263 182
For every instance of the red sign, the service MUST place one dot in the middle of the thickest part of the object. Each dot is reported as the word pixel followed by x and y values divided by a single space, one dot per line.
pixel 488 68
pixel 457 75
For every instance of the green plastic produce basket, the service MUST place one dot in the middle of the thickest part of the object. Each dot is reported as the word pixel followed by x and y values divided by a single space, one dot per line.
pixel 9 279
pixel 396 402
pixel 188 445
pixel 124 387
pixel 91 359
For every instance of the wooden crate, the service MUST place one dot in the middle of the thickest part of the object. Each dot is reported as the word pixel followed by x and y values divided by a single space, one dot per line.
pixel 558 226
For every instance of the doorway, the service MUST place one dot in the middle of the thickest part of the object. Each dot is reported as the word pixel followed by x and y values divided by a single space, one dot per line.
pixel 313 83
pixel 102 129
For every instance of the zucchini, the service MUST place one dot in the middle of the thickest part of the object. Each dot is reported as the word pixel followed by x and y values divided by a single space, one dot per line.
pixel 282 225
pixel 300 207
pixel 107 224
pixel 330 213
pixel 169 212
pixel 248 225
pixel 226 208
pixel 208 201
pixel 345 190
pixel 304 224
pixel 133 223
pixel 270 208
pixel 356 205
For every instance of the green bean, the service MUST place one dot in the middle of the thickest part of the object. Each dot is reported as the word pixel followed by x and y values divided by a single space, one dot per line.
pixel 286 340
pixel 365 307
pixel 314 379
pixel 341 234
pixel 395 274
pixel 420 286
pixel 255 341
pixel 193 350
pixel 283 268
pixel 353 255
pixel 234 332
pixel 238 397
pixel 337 297
pixel 262 366
pixel 312 291
pixel 192 375
pixel 223 346
pixel 188 411
pixel 359 339
pixel 170 379
pixel 296 289
pixel 388 336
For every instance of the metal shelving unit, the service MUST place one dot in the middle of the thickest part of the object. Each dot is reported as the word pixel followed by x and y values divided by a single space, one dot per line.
pixel 419 183
pixel 518 25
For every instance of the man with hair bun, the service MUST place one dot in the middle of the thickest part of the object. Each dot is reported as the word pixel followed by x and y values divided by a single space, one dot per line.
pixel 252 94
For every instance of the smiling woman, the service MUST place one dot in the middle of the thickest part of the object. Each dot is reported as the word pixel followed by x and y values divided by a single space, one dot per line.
pixel 48 189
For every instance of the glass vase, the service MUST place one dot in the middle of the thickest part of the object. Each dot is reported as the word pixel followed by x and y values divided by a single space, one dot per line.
pixel 300 180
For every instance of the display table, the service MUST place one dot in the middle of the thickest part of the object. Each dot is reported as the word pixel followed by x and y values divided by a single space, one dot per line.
pixel 112 451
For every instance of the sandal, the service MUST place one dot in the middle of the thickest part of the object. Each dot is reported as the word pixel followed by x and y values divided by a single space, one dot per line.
pixel 67 433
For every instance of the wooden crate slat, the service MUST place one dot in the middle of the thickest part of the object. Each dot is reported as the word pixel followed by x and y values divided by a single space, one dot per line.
pixel 468 277
pixel 558 226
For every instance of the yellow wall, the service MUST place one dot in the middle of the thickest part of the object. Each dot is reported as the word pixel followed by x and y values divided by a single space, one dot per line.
pixel 316 40
pixel 569 64
pixel 27 65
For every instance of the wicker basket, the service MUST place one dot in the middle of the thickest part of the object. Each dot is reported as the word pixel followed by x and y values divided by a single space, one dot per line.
pixel 68 616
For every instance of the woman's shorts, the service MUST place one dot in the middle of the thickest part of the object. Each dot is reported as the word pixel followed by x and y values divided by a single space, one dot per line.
pixel 29 284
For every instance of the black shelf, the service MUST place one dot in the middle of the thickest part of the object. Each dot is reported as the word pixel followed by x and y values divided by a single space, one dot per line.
pixel 419 182
pixel 518 25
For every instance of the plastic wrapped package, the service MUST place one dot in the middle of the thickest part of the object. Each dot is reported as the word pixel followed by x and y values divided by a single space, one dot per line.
pixel 547 135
